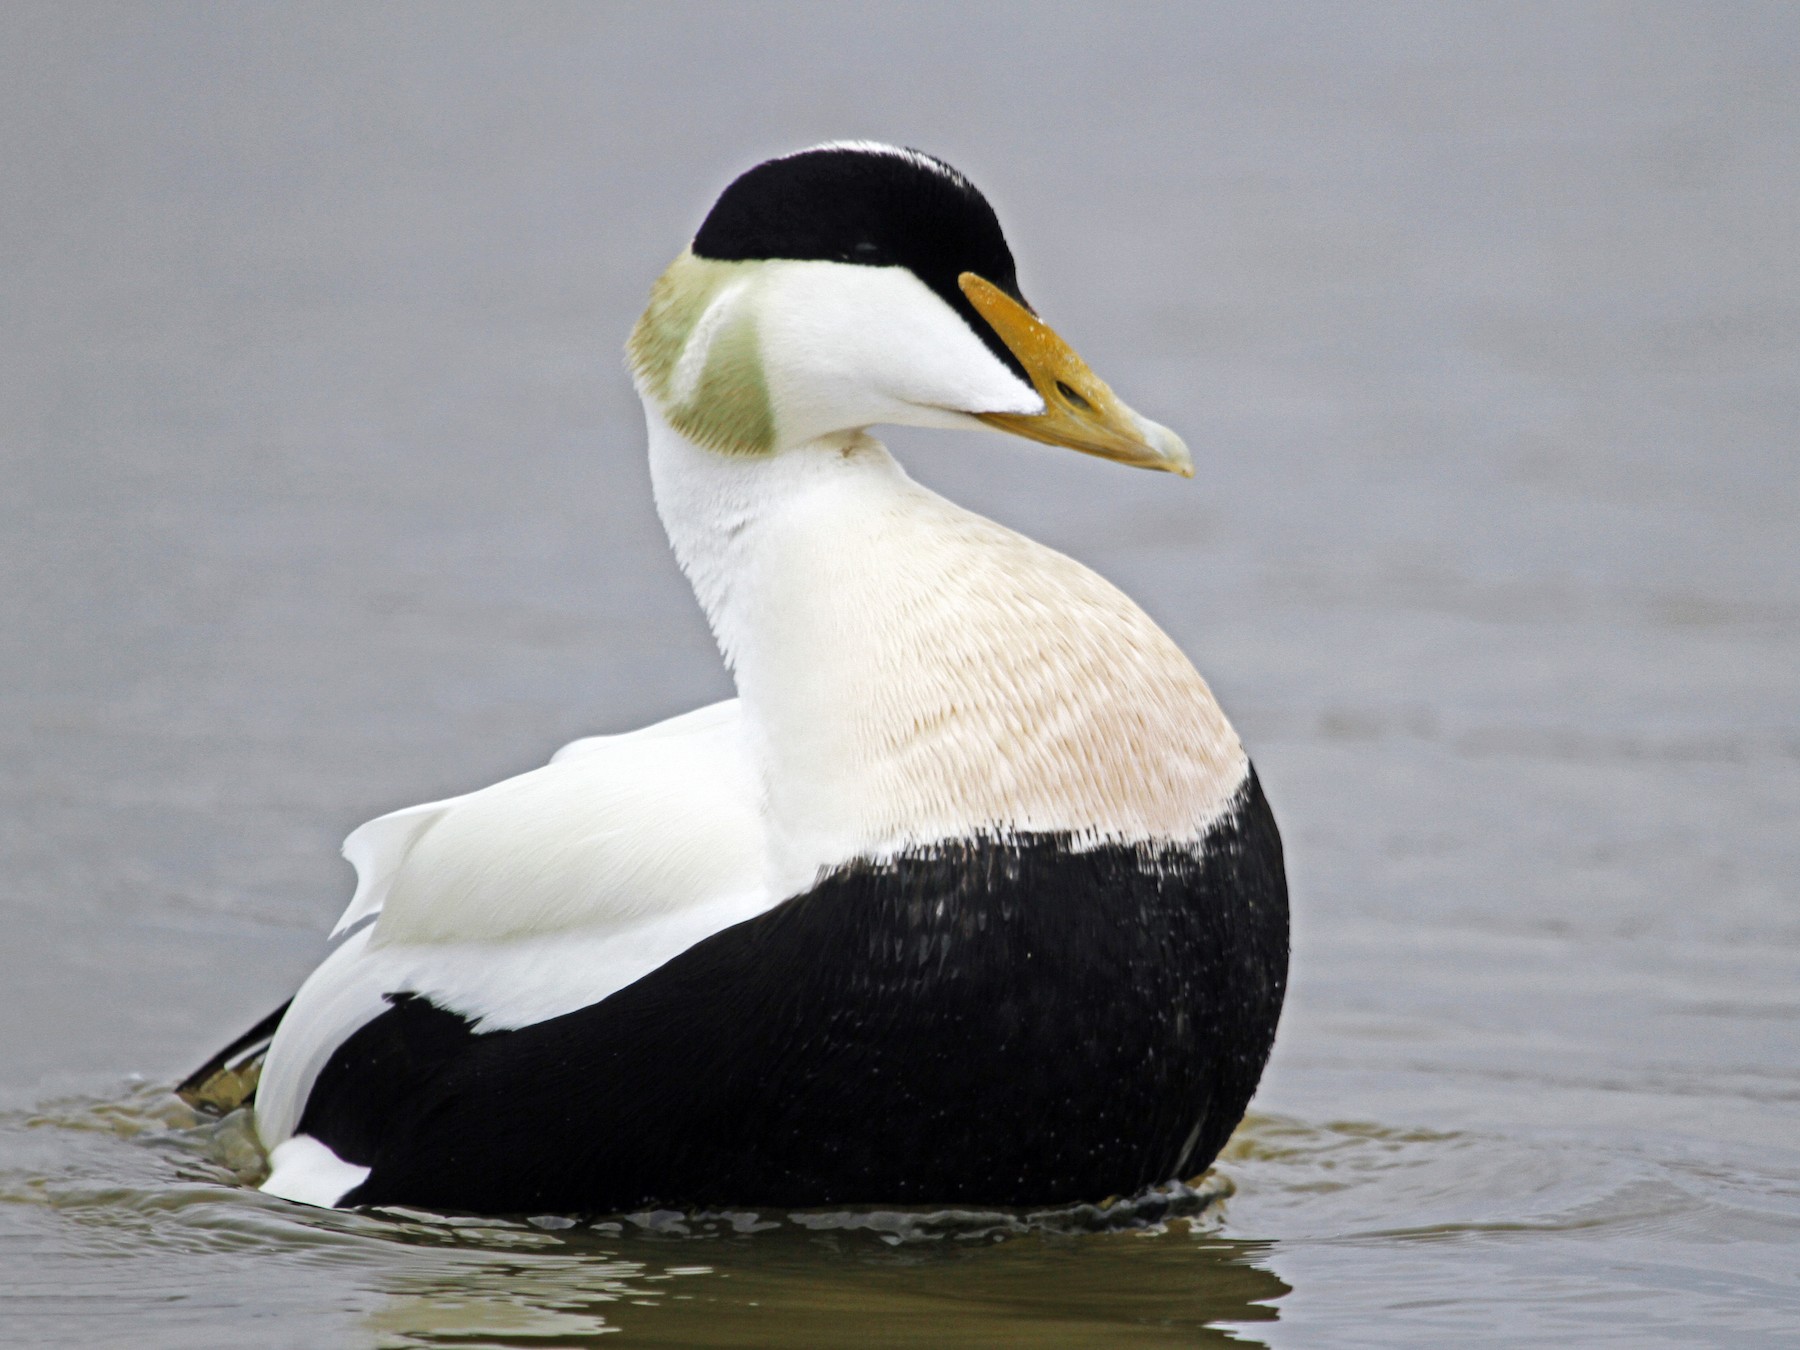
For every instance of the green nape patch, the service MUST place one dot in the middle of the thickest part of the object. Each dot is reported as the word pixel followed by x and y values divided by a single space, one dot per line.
pixel 725 407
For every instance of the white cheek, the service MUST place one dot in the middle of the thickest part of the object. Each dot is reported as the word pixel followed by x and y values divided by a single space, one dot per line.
pixel 845 346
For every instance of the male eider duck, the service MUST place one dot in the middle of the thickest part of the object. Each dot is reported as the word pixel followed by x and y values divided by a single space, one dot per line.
pixel 969 896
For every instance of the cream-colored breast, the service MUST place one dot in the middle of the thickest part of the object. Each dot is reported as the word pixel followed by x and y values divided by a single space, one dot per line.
pixel 912 671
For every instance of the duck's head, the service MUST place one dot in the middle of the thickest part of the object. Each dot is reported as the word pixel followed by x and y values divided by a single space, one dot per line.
pixel 854 284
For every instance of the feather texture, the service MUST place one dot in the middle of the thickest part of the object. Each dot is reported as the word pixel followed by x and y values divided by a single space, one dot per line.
pixel 930 708
pixel 538 895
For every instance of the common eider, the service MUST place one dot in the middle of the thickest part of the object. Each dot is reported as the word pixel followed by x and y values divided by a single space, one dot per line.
pixel 969 896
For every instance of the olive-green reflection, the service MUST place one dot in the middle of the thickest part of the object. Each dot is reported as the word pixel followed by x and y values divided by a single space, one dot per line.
pixel 795 1288
pixel 166 1188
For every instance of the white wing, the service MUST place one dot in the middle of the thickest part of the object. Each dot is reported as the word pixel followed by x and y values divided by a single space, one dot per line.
pixel 536 896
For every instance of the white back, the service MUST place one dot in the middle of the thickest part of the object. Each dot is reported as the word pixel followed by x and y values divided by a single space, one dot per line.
pixel 536 896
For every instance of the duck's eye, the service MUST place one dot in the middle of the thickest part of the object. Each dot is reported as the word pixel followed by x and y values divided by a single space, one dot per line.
pixel 1073 397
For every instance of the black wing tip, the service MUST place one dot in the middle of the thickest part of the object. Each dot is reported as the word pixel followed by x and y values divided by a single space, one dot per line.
pixel 228 1080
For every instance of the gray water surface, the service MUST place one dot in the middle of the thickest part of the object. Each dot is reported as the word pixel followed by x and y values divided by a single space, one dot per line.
pixel 324 494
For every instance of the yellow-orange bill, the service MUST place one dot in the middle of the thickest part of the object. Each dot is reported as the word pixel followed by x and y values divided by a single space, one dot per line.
pixel 1080 411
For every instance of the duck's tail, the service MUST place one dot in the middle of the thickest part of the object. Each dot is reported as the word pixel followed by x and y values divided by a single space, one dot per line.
pixel 228 1080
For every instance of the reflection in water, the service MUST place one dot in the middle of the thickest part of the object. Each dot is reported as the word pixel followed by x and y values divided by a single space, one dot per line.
pixel 324 485
pixel 128 1200
pixel 154 1178
pixel 791 1287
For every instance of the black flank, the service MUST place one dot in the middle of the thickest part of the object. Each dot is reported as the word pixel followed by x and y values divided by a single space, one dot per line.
pixel 995 1022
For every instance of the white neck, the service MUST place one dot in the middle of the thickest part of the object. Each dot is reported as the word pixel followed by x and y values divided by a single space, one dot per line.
pixel 911 672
